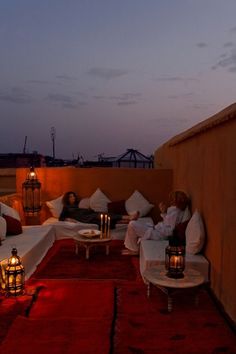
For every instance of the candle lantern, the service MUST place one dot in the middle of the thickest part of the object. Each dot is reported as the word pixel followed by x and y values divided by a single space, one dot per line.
pixel 175 261
pixel 31 190
pixel 14 275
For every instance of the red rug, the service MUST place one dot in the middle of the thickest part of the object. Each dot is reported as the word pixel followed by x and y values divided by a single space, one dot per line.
pixel 58 336
pixel 61 262
pixel 74 299
pixel 144 326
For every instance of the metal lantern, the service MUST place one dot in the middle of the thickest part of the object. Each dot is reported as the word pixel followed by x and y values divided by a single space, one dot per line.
pixel 175 261
pixel 31 190
pixel 14 275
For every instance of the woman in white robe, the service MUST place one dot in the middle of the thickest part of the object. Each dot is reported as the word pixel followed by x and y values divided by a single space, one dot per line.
pixel 171 216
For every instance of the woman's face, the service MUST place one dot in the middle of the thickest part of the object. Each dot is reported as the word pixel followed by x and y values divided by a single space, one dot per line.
pixel 71 199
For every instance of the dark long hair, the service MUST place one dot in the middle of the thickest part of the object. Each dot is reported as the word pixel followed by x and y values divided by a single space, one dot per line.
pixel 180 199
pixel 65 199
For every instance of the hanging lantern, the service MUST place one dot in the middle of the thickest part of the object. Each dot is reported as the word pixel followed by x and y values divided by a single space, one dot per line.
pixel 175 261
pixel 31 190
pixel 14 275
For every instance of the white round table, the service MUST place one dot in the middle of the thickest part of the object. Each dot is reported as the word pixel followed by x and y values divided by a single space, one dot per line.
pixel 88 243
pixel 157 276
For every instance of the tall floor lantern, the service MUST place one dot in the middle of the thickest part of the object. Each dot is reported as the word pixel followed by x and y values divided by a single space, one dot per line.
pixel 31 193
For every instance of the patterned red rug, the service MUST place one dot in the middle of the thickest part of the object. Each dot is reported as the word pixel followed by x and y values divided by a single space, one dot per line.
pixel 61 262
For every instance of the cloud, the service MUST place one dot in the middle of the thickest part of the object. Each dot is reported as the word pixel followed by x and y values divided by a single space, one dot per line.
pixel 229 61
pixel 66 101
pixel 40 82
pixel 66 78
pixel 184 95
pixel 126 103
pixel 57 97
pixel 174 79
pixel 233 29
pixel 202 45
pixel 228 44
pixel 15 95
pixel 107 74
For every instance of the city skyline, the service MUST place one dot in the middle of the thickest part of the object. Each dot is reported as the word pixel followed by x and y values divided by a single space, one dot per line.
pixel 112 75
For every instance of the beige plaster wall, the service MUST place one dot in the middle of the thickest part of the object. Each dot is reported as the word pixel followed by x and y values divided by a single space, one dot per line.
pixel 205 166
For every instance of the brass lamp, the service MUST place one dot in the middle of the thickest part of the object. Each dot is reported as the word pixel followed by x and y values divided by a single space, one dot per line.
pixel 14 275
pixel 175 261
pixel 31 190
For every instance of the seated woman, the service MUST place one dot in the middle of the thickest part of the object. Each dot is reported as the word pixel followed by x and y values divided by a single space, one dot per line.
pixel 72 212
pixel 171 216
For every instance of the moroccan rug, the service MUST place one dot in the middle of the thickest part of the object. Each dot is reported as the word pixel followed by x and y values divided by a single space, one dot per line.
pixel 145 326
pixel 61 262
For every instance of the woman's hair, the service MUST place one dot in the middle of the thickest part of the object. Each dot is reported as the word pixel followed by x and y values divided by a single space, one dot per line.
pixel 180 199
pixel 66 197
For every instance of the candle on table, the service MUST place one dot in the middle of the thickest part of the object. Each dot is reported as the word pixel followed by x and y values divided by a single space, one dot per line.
pixel 108 226
pixel 101 225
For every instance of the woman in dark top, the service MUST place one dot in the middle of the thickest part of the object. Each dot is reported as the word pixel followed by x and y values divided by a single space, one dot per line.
pixel 72 212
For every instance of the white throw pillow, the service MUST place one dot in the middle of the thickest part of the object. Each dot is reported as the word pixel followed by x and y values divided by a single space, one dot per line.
pixel 137 202
pixel 84 203
pixel 55 206
pixel 99 201
pixel 3 228
pixel 5 209
pixel 195 234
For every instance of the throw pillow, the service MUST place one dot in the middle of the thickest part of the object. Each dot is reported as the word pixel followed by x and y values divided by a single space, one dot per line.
pixel 5 209
pixel 13 225
pixel 99 201
pixel 3 228
pixel 55 206
pixel 117 207
pixel 84 203
pixel 195 234
pixel 137 202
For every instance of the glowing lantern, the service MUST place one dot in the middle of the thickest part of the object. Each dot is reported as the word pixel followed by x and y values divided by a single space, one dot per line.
pixel 175 261
pixel 31 190
pixel 14 275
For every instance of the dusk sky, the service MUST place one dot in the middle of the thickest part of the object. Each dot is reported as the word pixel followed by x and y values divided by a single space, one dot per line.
pixel 112 74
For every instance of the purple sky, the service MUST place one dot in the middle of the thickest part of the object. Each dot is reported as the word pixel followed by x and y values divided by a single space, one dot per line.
pixel 112 74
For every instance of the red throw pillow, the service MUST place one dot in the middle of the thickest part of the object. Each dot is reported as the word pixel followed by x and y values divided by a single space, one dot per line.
pixel 117 207
pixel 13 225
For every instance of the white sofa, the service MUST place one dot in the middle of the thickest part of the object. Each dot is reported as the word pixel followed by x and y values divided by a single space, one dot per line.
pixel 152 253
pixel 32 245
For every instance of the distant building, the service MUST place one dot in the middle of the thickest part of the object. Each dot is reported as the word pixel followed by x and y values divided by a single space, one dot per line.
pixel 13 160
pixel 131 158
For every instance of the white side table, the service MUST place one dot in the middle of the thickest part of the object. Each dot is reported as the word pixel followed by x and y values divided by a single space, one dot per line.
pixel 157 276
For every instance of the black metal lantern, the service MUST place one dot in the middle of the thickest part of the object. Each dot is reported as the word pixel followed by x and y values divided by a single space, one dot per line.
pixel 175 261
pixel 31 190
pixel 14 275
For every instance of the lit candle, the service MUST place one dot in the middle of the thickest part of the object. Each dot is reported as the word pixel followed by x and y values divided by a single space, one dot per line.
pixel 101 225
pixel 109 220
pixel 105 225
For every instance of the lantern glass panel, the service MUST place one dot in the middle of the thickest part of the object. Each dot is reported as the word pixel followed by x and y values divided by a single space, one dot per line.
pixel 175 261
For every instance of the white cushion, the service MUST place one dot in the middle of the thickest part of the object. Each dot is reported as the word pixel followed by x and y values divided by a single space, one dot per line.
pixel 5 209
pixel 137 202
pixel 3 228
pixel 99 201
pixel 84 203
pixel 55 206
pixel 195 234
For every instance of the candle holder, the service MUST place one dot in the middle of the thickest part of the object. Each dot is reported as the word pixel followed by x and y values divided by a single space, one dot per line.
pixel 175 261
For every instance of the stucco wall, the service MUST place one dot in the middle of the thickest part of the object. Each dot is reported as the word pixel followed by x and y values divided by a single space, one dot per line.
pixel 204 164
pixel 116 183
